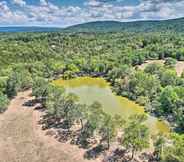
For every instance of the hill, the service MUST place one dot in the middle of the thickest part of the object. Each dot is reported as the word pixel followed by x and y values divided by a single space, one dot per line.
pixel 175 25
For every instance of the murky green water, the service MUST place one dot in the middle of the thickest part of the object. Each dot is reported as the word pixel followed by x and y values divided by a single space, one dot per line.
pixel 97 89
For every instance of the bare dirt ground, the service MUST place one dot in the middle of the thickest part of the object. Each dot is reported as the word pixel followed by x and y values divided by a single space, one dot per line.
pixel 179 67
pixel 23 140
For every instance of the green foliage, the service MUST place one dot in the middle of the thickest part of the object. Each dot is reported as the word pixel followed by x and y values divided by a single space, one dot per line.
pixel 168 99
pixel 19 79
pixel 159 144
pixel 54 99
pixel 39 88
pixel 175 25
pixel 111 126
pixel 153 68
pixel 141 84
pixel 114 56
pixel 168 77
pixel 95 116
pixel 3 102
pixel 175 152
pixel 3 84
pixel 136 135
pixel 170 62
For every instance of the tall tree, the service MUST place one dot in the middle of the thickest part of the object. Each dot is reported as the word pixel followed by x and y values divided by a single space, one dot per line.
pixel 136 135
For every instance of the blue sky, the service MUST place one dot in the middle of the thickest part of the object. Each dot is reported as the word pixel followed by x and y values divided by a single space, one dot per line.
pixel 64 13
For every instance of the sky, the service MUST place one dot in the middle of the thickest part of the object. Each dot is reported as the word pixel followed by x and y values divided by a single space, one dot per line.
pixel 62 13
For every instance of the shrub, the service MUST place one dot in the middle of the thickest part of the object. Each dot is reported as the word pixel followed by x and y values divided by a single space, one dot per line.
pixel 3 102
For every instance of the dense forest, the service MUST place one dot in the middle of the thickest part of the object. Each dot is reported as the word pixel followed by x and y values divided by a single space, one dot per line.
pixel 33 60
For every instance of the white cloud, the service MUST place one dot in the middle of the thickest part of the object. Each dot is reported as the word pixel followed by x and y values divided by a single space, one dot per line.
pixel 47 13
pixel 19 2
pixel 8 17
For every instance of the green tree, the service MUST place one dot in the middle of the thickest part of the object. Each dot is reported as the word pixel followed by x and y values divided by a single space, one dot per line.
pixel 54 99
pixel 168 100
pixel 79 113
pixel 3 84
pixel 159 144
pixel 175 151
pixel 3 102
pixel 94 121
pixel 19 79
pixel 153 68
pixel 170 62
pixel 11 87
pixel 39 88
pixel 111 126
pixel 136 135
pixel 168 77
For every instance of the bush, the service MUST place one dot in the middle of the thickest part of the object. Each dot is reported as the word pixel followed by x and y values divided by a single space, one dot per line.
pixel 3 102
pixel 170 62
pixel 20 79
pixel 39 87
pixel 3 84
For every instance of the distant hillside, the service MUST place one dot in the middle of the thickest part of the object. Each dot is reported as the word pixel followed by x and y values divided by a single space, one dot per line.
pixel 175 25
pixel 28 29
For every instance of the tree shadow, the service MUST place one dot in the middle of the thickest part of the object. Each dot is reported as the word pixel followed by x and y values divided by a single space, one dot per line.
pixel 148 157
pixel 61 128
pixel 39 108
pixel 118 155
pixel 63 135
pixel 49 122
pixel 80 141
pixel 95 152
pixel 63 132
pixel 30 103
pixel 179 130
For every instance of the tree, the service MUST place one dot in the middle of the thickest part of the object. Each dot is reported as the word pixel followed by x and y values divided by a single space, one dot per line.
pixel 111 126
pixel 94 121
pixel 95 115
pixel 19 79
pixel 3 84
pixel 179 115
pixel 11 87
pixel 175 151
pixel 143 84
pixel 67 107
pixel 54 99
pixel 108 130
pixel 159 145
pixel 170 62
pixel 62 106
pixel 39 88
pixel 153 68
pixel 168 100
pixel 79 113
pixel 3 102
pixel 136 135
pixel 168 77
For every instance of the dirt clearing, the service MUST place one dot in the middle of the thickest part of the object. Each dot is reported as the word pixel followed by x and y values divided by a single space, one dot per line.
pixel 179 67
pixel 22 139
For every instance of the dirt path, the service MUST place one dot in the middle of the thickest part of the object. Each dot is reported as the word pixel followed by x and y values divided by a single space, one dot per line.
pixel 22 140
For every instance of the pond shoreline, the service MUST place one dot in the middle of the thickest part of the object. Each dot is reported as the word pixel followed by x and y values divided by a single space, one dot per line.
pixel 104 76
pixel 135 107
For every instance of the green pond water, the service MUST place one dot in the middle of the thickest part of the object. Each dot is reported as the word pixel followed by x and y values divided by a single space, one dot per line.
pixel 97 89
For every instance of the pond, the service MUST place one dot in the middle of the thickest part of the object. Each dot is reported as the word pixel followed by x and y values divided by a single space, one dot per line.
pixel 97 89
